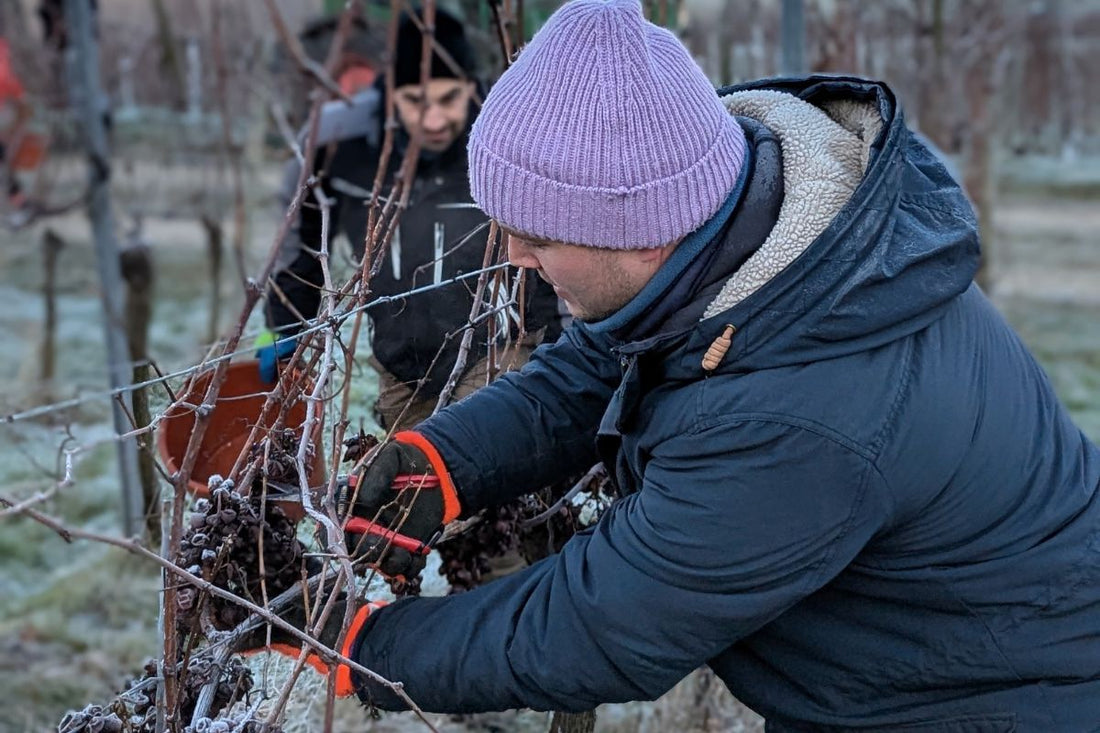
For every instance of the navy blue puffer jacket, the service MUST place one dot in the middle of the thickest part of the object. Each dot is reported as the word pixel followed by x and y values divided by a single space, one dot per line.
pixel 874 512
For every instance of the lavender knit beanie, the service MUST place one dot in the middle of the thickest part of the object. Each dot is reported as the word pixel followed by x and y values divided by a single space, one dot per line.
pixel 604 132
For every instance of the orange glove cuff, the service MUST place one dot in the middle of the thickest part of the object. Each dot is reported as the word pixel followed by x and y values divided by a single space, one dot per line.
pixel 345 686
pixel 451 505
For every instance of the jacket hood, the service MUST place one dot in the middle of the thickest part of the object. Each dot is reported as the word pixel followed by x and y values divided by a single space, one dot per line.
pixel 874 237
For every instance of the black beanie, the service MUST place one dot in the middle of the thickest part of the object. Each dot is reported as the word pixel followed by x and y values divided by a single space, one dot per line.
pixel 449 34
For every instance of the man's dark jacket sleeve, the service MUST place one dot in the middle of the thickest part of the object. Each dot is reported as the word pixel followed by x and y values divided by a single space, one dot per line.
pixel 729 529
pixel 528 428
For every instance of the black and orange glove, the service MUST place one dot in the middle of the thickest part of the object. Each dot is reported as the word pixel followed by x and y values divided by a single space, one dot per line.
pixel 295 615
pixel 407 494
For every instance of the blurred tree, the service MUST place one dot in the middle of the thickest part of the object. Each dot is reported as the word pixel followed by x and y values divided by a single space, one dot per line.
pixel 86 99
pixel 169 64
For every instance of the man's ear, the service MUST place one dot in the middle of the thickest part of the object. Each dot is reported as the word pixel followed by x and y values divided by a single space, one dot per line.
pixel 658 255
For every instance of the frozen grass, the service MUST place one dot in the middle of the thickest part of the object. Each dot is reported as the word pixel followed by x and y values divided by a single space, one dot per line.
pixel 76 620
pixel 1065 338
pixel 76 638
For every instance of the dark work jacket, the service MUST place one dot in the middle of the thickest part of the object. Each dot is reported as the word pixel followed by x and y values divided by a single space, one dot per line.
pixel 873 515
pixel 442 234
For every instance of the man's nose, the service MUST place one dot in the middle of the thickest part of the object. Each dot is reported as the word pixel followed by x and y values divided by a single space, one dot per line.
pixel 434 119
pixel 520 255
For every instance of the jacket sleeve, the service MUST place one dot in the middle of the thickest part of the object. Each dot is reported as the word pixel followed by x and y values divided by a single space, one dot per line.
pixel 528 428
pixel 734 524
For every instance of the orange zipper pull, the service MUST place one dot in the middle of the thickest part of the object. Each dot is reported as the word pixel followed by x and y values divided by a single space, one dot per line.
pixel 718 349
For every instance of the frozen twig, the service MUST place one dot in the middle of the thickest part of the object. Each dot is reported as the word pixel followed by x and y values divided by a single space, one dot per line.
pixel 261 615
pixel 278 114
pixel 578 487
pixel 468 336
pixel 304 62
pixel 14 507
pixel 226 356
pixel 206 694
pixel 501 21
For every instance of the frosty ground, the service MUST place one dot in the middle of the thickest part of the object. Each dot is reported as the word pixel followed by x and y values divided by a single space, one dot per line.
pixel 78 620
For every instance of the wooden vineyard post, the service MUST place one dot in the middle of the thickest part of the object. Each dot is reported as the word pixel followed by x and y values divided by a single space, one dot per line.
pixel 86 97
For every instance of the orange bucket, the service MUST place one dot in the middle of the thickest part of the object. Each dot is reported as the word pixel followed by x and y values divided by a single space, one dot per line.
pixel 236 411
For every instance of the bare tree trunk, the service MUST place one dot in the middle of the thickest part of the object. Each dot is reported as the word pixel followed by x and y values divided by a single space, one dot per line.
pixel 1072 117
pixel 793 37
pixel 977 179
pixel 86 101
pixel 136 264
pixel 214 248
pixel 930 84
pixel 52 245
pixel 137 269
pixel 169 59
pixel 981 156
pixel 147 471
pixel 573 722
pixel 725 63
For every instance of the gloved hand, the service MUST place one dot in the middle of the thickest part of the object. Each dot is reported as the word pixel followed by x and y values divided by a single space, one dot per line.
pixel 295 615
pixel 270 352
pixel 393 491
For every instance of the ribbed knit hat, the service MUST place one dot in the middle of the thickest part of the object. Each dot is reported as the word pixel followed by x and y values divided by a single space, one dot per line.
pixel 449 34
pixel 604 132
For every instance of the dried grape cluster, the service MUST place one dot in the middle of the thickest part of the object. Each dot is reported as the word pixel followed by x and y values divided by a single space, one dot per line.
pixel 281 464
pixel 134 710
pixel 92 719
pixel 465 558
pixel 238 723
pixel 509 529
pixel 222 544
pixel 359 445
pixel 230 543
pixel 234 681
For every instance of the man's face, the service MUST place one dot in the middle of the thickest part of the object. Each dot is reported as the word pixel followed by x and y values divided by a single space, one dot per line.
pixel 592 282
pixel 444 116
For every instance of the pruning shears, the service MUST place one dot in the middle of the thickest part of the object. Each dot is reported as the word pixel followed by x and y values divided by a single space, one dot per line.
pixel 346 484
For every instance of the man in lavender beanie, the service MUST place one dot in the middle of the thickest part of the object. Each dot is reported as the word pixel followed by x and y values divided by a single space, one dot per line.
pixel 843 484
pixel 604 133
